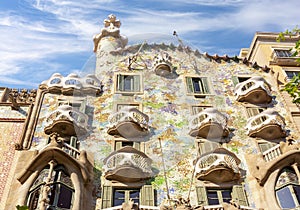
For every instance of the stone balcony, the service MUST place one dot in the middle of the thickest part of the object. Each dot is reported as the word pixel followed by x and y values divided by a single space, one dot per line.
pixel 254 90
pixel 66 122
pixel 209 123
pixel 128 123
pixel 284 61
pixel 263 164
pixel 267 125
pixel 88 84
pixel 218 166
pixel 128 165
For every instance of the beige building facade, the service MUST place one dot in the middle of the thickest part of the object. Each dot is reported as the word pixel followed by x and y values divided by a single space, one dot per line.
pixel 156 126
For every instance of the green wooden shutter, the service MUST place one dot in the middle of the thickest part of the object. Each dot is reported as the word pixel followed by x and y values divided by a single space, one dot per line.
pixel 189 85
pixel 118 145
pixel 239 195
pixel 106 197
pixel 201 195
pixel 147 195
pixel 136 83
pixel 136 145
pixel 235 80
pixel 120 82
pixel 204 85
pixel 73 141
pixel 82 106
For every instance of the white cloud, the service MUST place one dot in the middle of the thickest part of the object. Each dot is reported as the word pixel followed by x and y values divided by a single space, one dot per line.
pixel 67 26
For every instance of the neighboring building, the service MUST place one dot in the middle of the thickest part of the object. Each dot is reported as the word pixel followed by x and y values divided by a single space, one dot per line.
pixel 157 126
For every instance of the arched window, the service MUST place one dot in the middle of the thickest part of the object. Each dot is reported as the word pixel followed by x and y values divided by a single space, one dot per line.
pixel 287 188
pixel 53 188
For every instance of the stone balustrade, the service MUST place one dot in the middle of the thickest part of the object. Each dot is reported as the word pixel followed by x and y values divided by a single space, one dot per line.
pixel 258 86
pixel 208 115
pixel 251 84
pixel 208 161
pixel 128 159
pixel 131 114
pixel 71 150
pixel 272 153
pixel 66 114
pixel 87 84
pixel 268 119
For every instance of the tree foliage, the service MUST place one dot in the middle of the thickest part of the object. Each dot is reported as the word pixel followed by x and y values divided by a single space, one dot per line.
pixel 293 86
pixel 22 207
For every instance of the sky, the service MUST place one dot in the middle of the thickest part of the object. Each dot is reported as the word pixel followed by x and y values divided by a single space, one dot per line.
pixel 42 37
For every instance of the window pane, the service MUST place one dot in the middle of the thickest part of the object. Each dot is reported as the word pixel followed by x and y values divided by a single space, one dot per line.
pixel 285 198
pixel 128 83
pixel 297 192
pixel 226 196
pixel 34 199
pixel 196 84
pixel 65 197
pixel 212 197
pixel 291 74
pixel 135 196
pixel 119 197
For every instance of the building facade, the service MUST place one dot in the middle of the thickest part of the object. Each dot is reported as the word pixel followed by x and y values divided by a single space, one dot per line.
pixel 157 126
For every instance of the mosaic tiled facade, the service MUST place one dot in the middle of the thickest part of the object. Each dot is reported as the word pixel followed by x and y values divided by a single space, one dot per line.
pixel 158 126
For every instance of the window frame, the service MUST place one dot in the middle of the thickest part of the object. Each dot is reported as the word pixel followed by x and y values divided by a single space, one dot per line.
pixel 200 108
pixel 286 53
pixel 132 90
pixel 57 184
pixel 127 195
pixel 258 109
pixel 129 105
pixel 76 104
pixel 219 193
pixel 206 84
pixel 287 71
pixel 236 79
pixel 290 186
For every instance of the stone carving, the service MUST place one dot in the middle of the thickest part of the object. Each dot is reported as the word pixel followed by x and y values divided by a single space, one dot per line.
pixel 111 29
pixel 21 97
pixel 88 84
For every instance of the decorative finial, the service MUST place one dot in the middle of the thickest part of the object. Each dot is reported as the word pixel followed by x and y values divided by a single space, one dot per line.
pixel 111 29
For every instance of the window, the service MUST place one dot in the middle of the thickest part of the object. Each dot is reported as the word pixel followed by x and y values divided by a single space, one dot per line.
pixel 60 195
pixel 198 109
pixel 114 196
pixel 78 105
pixel 291 74
pixel 121 196
pixel 127 106
pixel 283 53
pixel 253 111
pixel 238 79
pixel 121 144
pixel 287 188
pixel 264 146
pixel 197 86
pixel 207 146
pixel 128 83
pixel 215 196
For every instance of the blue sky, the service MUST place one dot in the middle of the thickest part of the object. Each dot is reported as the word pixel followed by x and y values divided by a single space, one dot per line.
pixel 41 37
